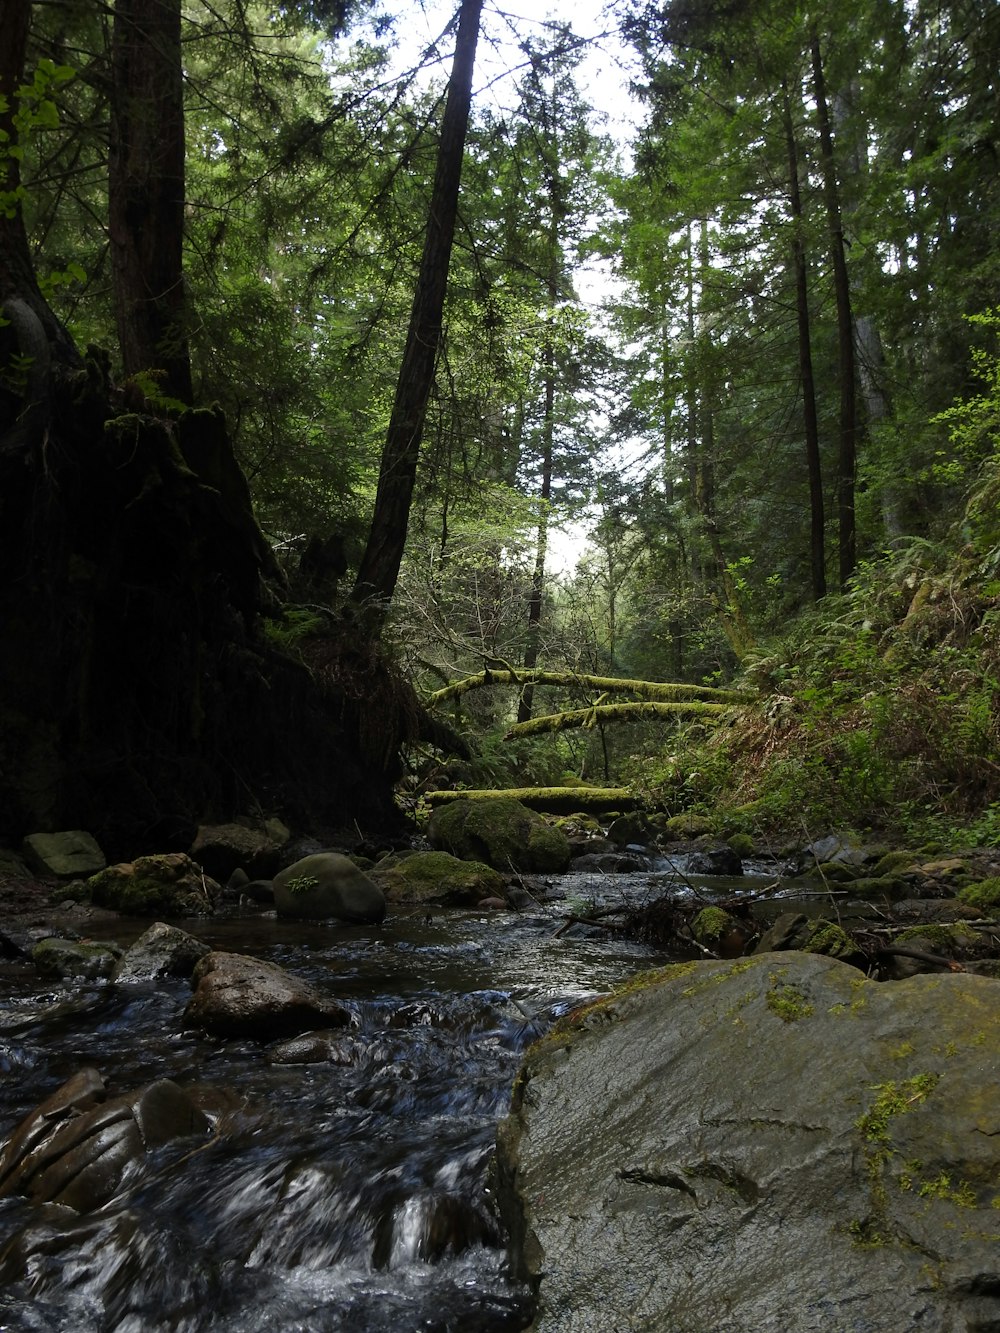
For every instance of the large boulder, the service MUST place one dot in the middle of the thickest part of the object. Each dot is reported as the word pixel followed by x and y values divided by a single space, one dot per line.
pixel 237 996
pixel 771 1144
pixel 328 885
pixel 76 1147
pixel 438 878
pixel 65 855
pixel 501 833
pixel 222 848
pixel 168 884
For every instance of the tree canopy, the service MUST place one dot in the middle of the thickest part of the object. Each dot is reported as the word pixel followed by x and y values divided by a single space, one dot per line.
pixel 363 239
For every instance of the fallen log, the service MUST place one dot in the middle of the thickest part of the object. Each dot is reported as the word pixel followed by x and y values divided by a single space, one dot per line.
pixel 601 713
pixel 664 691
pixel 548 800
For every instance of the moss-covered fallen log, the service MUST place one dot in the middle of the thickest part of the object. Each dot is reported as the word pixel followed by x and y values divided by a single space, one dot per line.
pixel 548 800
pixel 589 717
pixel 663 691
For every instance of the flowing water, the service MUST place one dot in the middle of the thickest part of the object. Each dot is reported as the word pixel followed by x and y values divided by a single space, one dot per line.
pixel 347 1194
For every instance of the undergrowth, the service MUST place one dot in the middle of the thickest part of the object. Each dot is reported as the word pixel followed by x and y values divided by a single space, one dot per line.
pixel 879 710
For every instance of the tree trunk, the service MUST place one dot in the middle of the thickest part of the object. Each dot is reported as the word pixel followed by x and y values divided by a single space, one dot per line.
pixel 847 453
pixel 379 569
pixel 817 547
pixel 537 596
pixel 146 191
pixel 32 335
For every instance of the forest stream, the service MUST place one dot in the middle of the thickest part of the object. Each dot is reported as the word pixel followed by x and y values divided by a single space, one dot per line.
pixel 352 1193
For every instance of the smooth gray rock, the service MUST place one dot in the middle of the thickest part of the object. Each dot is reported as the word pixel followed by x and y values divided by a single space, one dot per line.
pixel 775 1144
pixel 65 855
pixel 161 951
pixel 237 996
pixel 328 885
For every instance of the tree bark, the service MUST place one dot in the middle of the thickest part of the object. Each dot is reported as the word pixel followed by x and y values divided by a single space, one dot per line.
pixel 379 569
pixel 146 192
pixel 817 521
pixel 32 332
pixel 847 453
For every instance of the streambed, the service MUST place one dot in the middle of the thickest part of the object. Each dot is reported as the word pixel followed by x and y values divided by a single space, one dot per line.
pixel 352 1193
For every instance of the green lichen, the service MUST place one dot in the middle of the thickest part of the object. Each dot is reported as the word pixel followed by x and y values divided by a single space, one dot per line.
pixel 901 1052
pixel 787 1001
pixel 891 1100
pixel 742 844
pixel 894 1099
pixel 858 1002
pixel 961 1195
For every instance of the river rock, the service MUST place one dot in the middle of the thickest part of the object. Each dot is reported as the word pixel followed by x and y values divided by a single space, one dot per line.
pixel 169 884
pixel 501 833
pixel 90 960
pixel 75 1148
pixel 771 1144
pixel 238 996
pixel 66 855
pixel 438 878
pixel 328 885
pixel 222 848
pixel 162 951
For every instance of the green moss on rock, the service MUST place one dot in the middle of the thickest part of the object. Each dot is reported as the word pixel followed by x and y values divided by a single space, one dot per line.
pixel 985 893
pixel 893 862
pixel 436 877
pixel 503 834
pixel 689 825
pixel 711 925
pixel 163 886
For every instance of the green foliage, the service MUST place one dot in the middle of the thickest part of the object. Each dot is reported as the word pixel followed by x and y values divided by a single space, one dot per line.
pixel 302 884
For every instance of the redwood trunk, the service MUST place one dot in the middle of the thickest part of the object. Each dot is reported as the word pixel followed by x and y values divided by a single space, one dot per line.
pixel 817 547
pixel 847 453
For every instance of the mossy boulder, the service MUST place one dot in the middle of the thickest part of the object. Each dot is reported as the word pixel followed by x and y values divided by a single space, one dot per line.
pixel 90 960
pixel 327 885
pixel 889 888
pixel 65 855
pixel 894 863
pixel 687 826
pixel 437 877
pixel 503 834
pixel 632 829
pixel 794 930
pixel 984 893
pixel 166 885
pixel 719 930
